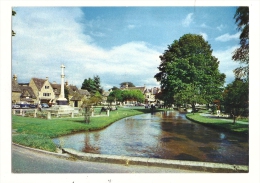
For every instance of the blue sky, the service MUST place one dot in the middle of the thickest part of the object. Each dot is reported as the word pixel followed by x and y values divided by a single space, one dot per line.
pixel 116 43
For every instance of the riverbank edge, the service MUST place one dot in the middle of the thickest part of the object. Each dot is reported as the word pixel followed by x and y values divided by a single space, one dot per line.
pixel 207 167
pixel 216 127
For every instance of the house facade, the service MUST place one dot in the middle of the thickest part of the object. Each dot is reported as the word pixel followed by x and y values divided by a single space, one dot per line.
pixel 43 90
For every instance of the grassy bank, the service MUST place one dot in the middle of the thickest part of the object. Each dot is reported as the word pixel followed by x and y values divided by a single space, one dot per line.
pixel 219 124
pixel 37 133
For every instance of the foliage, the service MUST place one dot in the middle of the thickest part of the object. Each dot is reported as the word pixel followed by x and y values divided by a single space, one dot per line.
pixel 241 54
pixel 13 14
pixel 130 84
pixel 132 95
pixel 236 98
pixel 93 100
pixel 66 93
pixel 115 95
pixel 92 85
pixel 189 73
pixel 114 88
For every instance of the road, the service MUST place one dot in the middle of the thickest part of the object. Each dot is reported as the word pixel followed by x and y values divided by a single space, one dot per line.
pixel 28 161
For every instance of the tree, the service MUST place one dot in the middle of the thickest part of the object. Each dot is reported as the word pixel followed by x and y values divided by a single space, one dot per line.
pixel 189 72
pixel 13 14
pixel 92 85
pixel 236 98
pixel 115 96
pixel 132 95
pixel 97 84
pixel 241 54
pixel 130 84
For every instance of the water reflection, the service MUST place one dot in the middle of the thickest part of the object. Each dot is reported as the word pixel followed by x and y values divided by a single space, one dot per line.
pixel 167 135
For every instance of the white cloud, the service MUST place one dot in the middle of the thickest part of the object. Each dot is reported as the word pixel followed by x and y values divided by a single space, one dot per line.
pixel 42 44
pixel 131 26
pixel 227 37
pixel 204 35
pixel 204 25
pixel 227 65
pixel 187 21
pixel 220 27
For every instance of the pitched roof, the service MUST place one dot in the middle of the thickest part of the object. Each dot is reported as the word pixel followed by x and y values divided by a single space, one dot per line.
pixel 15 86
pixel 84 92
pixel 39 82
pixel 27 92
pixel 72 89
pixel 56 88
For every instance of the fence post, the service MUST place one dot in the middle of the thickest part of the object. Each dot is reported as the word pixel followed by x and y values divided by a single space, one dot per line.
pixel 35 113
pixel 72 114
pixel 107 112
pixel 13 111
pixel 48 115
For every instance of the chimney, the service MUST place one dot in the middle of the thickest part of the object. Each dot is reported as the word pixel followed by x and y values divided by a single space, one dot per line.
pixel 66 83
pixel 15 77
pixel 47 78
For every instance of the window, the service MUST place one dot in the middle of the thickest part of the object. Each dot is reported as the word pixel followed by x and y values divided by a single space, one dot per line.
pixel 46 94
pixel 47 87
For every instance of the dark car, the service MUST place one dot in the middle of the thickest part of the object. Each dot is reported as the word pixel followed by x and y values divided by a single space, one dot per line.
pixel 44 105
pixel 25 106
pixel 33 105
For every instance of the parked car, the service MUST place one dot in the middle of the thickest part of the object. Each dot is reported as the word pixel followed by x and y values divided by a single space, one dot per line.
pixel 15 106
pixel 25 106
pixel 33 105
pixel 44 105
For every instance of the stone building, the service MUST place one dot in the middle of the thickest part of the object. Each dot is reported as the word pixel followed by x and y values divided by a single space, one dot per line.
pixel 43 90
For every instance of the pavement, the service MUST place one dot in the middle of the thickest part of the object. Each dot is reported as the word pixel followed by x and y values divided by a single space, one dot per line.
pixel 195 166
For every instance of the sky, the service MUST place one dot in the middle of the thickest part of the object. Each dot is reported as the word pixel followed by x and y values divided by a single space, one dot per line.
pixel 119 44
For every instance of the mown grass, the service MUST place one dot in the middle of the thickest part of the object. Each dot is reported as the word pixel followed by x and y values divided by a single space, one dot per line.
pixel 220 124
pixel 37 133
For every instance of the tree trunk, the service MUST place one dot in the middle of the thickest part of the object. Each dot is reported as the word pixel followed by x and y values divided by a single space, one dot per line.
pixel 193 108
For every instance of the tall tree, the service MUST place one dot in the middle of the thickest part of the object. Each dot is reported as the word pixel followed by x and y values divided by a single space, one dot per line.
pixel 241 54
pixel 13 14
pixel 189 72
pixel 236 98
pixel 130 84
pixel 92 85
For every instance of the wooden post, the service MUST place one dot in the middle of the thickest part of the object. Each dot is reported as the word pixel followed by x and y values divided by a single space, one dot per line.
pixel 107 112
pixel 48 115
pixel 35 113
pixel 72 114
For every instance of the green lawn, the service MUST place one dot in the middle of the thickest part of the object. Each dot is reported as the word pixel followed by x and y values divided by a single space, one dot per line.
pixel 221 124
pixel 37 133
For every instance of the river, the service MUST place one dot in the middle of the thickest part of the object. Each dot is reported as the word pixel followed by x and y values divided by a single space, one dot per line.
pixel 165 135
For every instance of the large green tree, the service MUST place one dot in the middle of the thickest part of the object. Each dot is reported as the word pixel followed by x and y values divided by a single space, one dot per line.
pixel 115 96
pixel 189 72
pixel 241 54
pixel 92 85
pixel 236 98
pixel 130 84
pixel 132 95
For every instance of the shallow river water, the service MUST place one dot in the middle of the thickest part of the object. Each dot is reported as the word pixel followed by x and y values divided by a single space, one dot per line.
pixel 165 135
